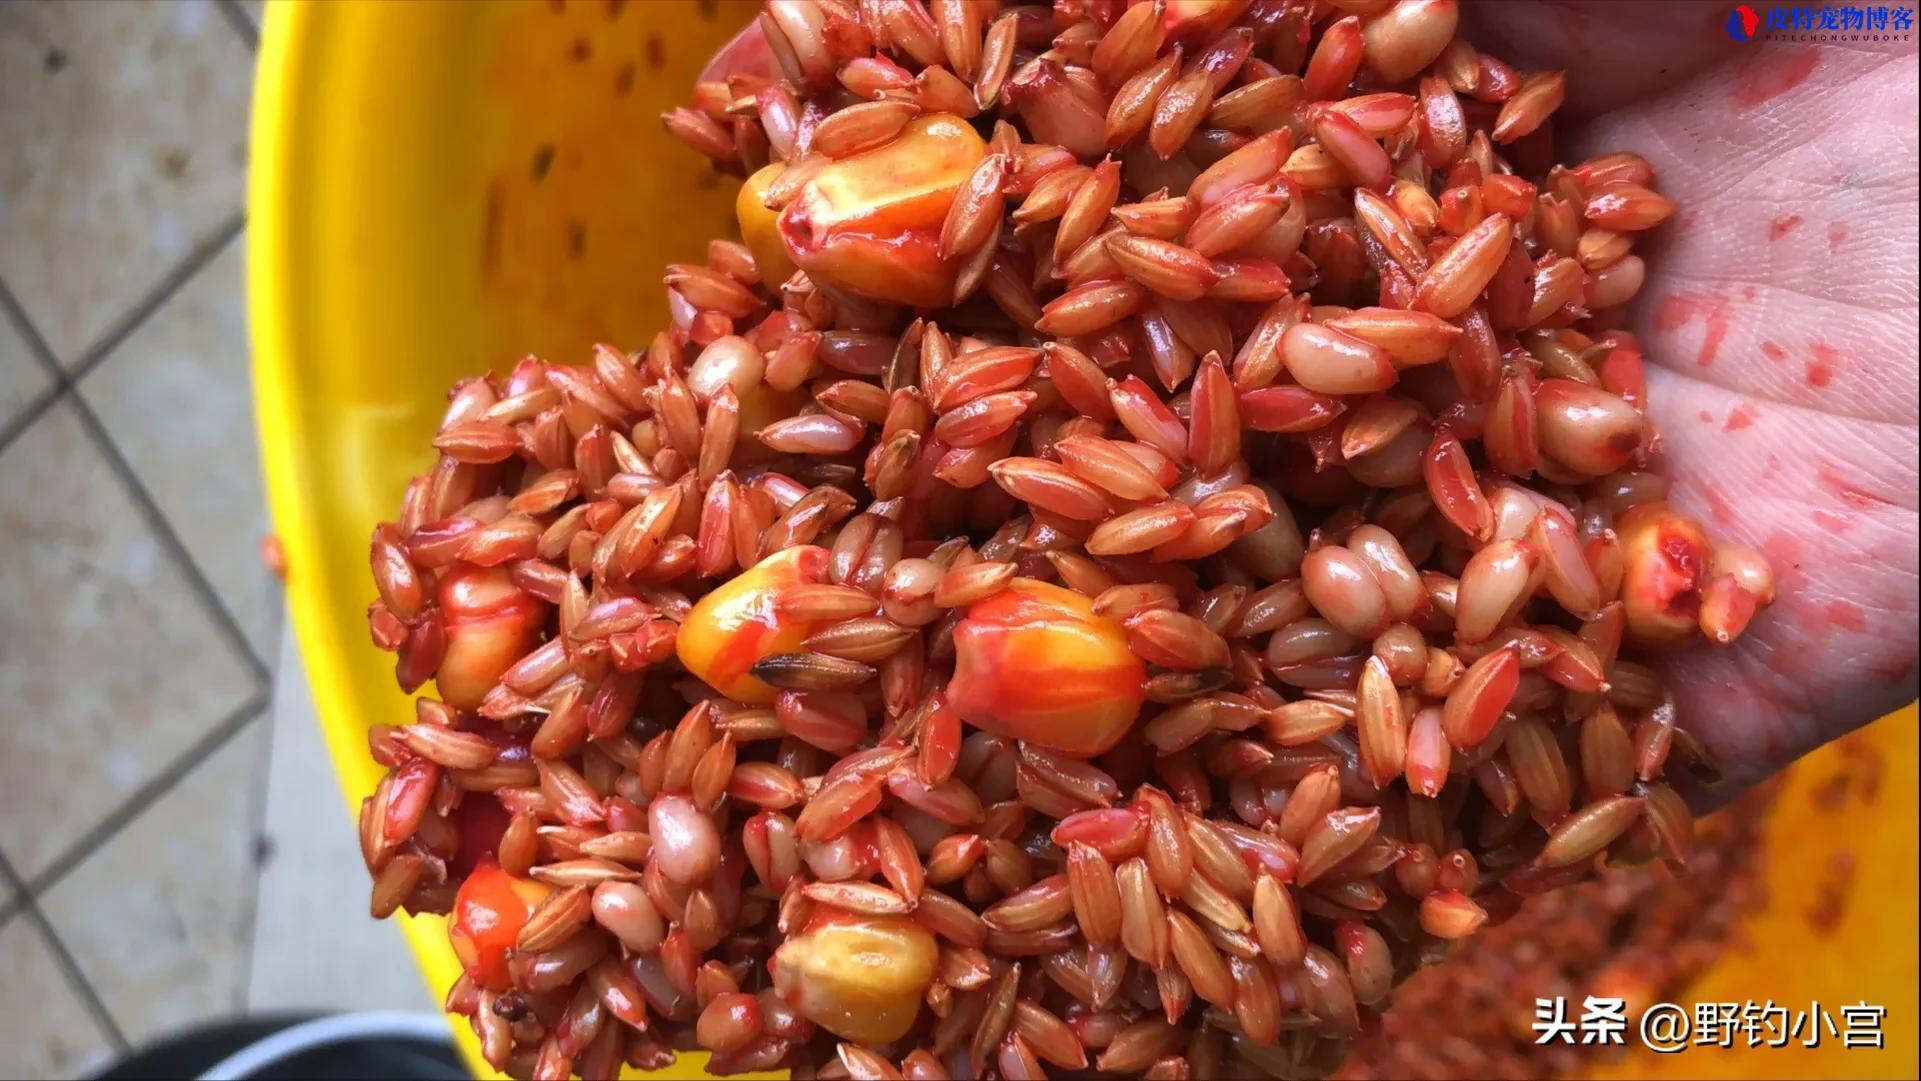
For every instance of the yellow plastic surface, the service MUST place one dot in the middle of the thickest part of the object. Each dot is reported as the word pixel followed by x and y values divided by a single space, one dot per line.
pixel 1838 927
pixel 440 185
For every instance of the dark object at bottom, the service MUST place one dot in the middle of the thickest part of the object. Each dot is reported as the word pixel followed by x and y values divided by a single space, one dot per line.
pixel 309 1047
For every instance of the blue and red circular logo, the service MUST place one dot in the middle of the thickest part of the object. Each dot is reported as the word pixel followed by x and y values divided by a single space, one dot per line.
pixel 1742 23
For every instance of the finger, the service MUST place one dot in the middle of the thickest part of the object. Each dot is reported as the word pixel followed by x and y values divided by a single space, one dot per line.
pixel 1755 722
pixel 1614 51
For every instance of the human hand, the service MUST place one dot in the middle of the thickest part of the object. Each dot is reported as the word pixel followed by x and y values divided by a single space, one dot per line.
pixel 1779 318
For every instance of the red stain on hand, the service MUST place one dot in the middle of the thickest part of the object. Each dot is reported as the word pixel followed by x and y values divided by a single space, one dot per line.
pixel 1773 352
pixel 1846 616
pixel 1837 233
pixel 1781 227
pixel 1679 309
pixel 1821 369
pixel 1739 417
pixel 1771 73
pixel 1719 508
pixel 1784 555
pixel 1845 489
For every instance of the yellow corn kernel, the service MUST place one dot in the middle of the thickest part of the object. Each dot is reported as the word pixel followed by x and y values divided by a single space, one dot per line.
pixel 489 912
pixel 1035 663
pixel 859 977
pixel 736 625
pixel 1740 583
pixel 1665 556
pixel 490 624
pixel 760 227
pixel 870 223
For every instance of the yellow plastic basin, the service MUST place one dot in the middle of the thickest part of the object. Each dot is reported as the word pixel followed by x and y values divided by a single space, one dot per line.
pixel 442 185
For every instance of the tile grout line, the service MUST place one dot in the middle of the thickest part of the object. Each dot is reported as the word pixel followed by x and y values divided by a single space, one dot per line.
pixel 13 313
pixel 30 911
pixel 35 408
pixel 156 788
pixel 67 385
pixel 170 540
pixel 242 23
pixel 143 309
pixel 258 816
pixel 62 380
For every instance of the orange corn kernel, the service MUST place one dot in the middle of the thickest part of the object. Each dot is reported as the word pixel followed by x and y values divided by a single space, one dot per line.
pixel 489 911
pixel 1740 583
pixel 736 625
pixel 491 623
pixel 1034 662
pixel 860 977
pixel 1666 564
pixel 871 223
pixel 760 227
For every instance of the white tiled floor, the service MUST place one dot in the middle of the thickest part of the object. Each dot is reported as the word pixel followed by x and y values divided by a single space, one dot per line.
pixel 72 1040
pixel 107 642
pixel 210 494
pixel 126 126
pixel 162 954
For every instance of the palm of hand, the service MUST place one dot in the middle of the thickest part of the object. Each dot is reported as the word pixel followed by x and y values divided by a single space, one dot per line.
pixel 1780 311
